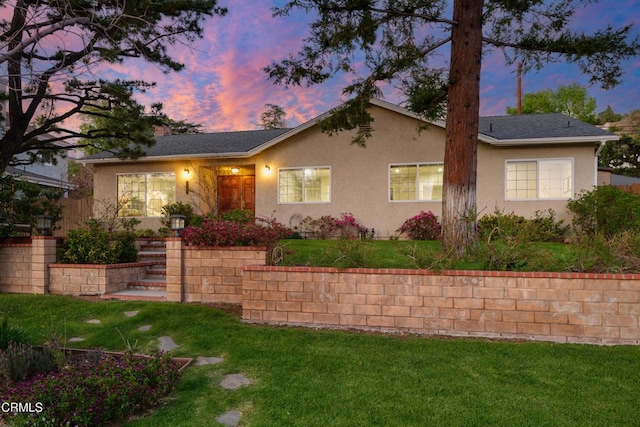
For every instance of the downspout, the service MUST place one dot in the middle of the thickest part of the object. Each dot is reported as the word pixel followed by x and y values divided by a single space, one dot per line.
pixel 598 151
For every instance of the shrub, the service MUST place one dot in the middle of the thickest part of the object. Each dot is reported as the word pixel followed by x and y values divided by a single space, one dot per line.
pixel 100 390
pixel 606 210
pixel 598 253
pixel 349 253
pixel 261 232
pixel 547 228
pixel 348 227
pixel 20 361
pixel 92 244
pixel 177 208
pixel 321 228
pixel 11 333
pixel 424 226
pixel 242 216
pixel 513 253
pixel 543 227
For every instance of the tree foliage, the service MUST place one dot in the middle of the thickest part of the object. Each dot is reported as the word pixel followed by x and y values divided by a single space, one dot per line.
pixel 397 42
pixel 274 117
pixel 572 100
pixel 624 155
pixel 52 53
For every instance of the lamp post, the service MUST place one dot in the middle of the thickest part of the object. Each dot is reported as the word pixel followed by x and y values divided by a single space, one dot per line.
pixel 176 222
pixel 44 224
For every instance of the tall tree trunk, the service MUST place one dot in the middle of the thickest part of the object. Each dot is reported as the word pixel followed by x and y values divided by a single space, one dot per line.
pixel 460 154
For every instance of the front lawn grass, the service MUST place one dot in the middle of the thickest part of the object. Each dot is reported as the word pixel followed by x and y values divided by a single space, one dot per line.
pixel 305 377
pixel 392 253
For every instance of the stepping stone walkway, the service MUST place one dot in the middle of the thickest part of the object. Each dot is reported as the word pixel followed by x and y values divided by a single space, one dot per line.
pixel 230 418
pixel 131 313
pixel 144 328
pixel 208 360
pixel 234 381
pixel 93 321
pixel 76 339
pixel 166 344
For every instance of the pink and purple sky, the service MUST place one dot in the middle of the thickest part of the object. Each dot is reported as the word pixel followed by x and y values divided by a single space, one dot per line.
pixel 224 88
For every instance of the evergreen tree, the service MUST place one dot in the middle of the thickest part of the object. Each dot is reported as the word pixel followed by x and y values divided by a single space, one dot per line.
pixel 396 40
pixel 52 51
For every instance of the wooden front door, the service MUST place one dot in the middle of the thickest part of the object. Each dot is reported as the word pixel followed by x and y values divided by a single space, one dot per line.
pixel 236 192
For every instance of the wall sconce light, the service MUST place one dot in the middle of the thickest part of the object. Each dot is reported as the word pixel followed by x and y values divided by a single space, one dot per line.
pixel 235 171
pixel 44 224
pixel 267 168
pixel 176 223
pixel 186 173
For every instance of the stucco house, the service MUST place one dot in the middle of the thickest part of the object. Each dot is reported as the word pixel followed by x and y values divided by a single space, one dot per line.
pixel 525 163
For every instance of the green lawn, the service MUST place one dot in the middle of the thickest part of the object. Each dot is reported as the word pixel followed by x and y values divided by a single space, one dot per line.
pixel 305 377
pixel 392 253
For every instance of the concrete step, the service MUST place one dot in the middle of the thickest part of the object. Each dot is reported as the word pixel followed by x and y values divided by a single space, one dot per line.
pixel 148 283
pixel 137 295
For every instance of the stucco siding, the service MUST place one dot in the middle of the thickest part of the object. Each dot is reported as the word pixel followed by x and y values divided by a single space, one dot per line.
pixel 360 175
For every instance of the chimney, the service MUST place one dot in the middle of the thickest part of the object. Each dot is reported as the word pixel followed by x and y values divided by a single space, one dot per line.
pixel 161 130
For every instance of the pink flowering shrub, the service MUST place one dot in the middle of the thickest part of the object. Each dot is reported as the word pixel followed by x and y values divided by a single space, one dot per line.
pixel 96 391
pixel 424 226
pixel 261 232
pixel 328 227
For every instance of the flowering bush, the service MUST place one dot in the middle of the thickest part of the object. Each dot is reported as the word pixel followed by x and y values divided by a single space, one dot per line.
pixel 97 390
pixel 261 232
pixel 424 226
pixel 327 226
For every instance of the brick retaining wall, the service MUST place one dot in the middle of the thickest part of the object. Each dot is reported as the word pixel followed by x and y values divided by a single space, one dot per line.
pixel 15 265
pixel 560 307
pixel 215 274
pixel 89 279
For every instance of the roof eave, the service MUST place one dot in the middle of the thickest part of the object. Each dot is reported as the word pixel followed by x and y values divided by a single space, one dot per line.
pixel 548 141
pixel 170 158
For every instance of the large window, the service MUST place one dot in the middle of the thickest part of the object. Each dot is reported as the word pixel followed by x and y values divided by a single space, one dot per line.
pixel 417 182
pixel 304 185
pixel 539 179
pixel 145 194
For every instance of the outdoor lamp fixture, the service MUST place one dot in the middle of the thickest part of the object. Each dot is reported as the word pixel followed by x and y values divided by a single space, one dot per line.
pixel 44 224
pixel 267 168
pixel 176 223
pixel 186 174
pixel 235 171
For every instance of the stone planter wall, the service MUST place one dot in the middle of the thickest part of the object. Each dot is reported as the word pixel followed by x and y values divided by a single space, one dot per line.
pixel 560 307
pixel 215 274
pixel 87 279
pixel 15 265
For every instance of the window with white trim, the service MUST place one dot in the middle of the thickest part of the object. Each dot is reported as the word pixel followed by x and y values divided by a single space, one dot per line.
pixel 416 182
pixel 304 185
pixel 144 195
pixel 539 179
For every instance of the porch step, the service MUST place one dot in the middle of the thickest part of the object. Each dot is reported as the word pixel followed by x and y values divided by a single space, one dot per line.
pixel 137 295
pixel 153 286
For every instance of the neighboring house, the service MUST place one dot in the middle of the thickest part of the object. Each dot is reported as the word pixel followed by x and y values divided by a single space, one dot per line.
pixel 525 164
pixel 46 175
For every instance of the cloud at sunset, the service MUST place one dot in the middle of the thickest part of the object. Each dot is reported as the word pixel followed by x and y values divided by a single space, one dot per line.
pixel 223 85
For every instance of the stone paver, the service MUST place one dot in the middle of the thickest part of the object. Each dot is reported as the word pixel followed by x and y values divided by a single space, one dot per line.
pixel 166 344
pixel 144 328
pixel 76 339
pixel 208 360
pixel 229 418
pixel 234 381
pixel 131 313
pixel 93 321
